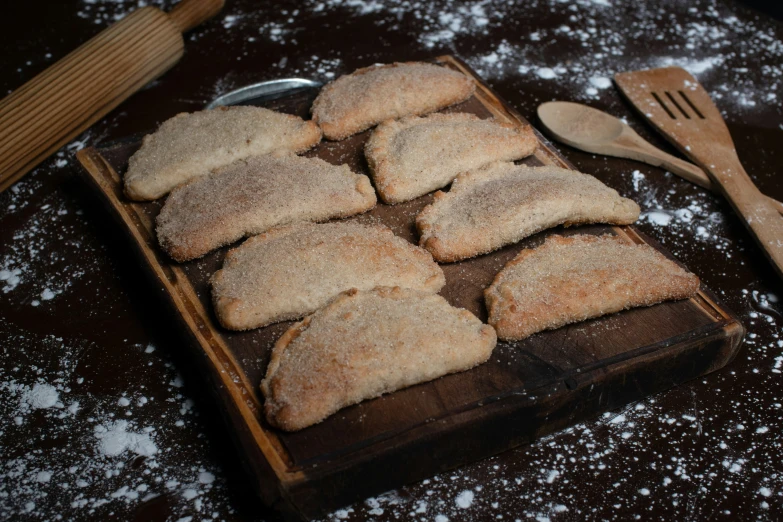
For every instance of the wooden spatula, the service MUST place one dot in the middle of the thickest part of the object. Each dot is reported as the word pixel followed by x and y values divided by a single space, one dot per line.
pixel 591 130
pixel 678 106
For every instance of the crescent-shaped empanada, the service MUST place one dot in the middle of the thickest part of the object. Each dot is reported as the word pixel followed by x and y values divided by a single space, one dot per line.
pixel 502 203
pixel 292 271
pixel 365 344
pixel 570 279
pixel 190 145
pixel 413 156
pixel 368 96
pixel 253 195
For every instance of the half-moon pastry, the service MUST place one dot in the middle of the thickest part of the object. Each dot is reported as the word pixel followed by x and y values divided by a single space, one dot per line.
pixel 502 203
pixel 365 344
pixel 191 145
pixel 368 96
pixel 289 272
pixel 413 156
pixel 253 195
pixel 570 279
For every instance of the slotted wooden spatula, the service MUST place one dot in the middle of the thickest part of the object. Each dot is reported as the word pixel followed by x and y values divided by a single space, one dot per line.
pixel 676 104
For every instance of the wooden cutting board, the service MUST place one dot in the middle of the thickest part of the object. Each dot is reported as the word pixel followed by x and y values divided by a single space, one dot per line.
pixel 528 389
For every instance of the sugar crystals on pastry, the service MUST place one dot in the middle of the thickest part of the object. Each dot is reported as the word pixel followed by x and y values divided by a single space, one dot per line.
pixel 289 272
pixel 570 279
pixel 368 96
pixel 191 145
pixel 253 195
pixel 365 344
pixel 500 204
pixel 413 156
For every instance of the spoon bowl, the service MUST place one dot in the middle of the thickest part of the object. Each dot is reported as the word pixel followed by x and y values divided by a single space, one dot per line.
pixel 595 131
pixel 579 125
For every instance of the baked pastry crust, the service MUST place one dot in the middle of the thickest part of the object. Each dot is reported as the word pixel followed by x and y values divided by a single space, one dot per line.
pixel 289 272
pixel 500 204
pixel 413 156
pixel 571 279
pixel 365 344
pixel 191 145
pixel 368 96
pixel 251 196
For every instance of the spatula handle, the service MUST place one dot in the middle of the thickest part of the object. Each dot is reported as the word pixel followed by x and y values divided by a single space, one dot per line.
pixel 65 99
pixel 635 147
pixel 759 215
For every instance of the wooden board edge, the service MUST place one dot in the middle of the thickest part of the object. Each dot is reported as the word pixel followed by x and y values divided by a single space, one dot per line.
pixel 182 297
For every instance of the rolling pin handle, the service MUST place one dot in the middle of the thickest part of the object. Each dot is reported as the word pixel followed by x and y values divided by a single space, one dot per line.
pixel 188 14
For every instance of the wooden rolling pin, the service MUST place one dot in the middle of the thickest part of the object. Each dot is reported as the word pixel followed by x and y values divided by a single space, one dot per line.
pixel 54 107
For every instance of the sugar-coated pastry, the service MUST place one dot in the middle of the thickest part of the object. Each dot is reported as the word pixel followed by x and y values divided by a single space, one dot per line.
pixel 413 156
pixel 368 96
pixel 500 204
pixel 253 195
pixel 365 344
pixel 570 279
pixel 289 272
pixel 191 145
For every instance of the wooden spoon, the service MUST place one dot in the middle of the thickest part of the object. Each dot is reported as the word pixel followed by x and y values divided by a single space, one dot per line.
pixel 595 131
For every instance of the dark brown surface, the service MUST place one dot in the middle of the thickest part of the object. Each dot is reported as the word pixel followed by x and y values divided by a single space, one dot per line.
pixel 717 440
pixel 542 383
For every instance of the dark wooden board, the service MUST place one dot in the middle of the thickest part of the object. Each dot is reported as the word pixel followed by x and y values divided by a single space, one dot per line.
pixel 526 390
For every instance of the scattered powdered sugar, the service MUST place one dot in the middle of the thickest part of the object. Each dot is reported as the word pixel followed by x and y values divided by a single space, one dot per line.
pixel 41 396
pixel 33 260
pixel 113 450
pixel 688 213
pixel 115 440
pixel 94 464
pixel 546 73
pixel 109 11
pixel 600 82
pixel 465 499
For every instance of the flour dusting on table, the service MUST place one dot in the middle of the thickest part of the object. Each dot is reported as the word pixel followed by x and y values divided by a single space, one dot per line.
pixel 109 449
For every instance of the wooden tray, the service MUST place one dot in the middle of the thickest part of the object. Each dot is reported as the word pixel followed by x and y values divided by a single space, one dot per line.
pixel 527 389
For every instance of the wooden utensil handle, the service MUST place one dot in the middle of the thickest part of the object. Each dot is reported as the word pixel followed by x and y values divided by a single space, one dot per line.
pixel 695 175
pixel 635 147
pixel 759 215
pixel 65 99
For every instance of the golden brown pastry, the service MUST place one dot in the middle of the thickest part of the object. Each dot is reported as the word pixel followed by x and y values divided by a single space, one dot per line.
pixel 570 279
pixel 253 195
pixel 292 271
pixel 191 145
pixel 500 204
pixel 413 156
pixel 368 96
pixel 365 344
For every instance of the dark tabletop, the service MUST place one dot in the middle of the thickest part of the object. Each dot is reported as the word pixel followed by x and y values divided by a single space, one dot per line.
pixel 104 416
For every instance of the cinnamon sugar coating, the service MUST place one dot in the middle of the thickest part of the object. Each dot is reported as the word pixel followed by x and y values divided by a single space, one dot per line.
pixel 571 279
pixel 368 96
pixel 292 271
pixel 413 156
pixel 251 196
pixel 191 145
pixel 365 344
pixel 500 204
